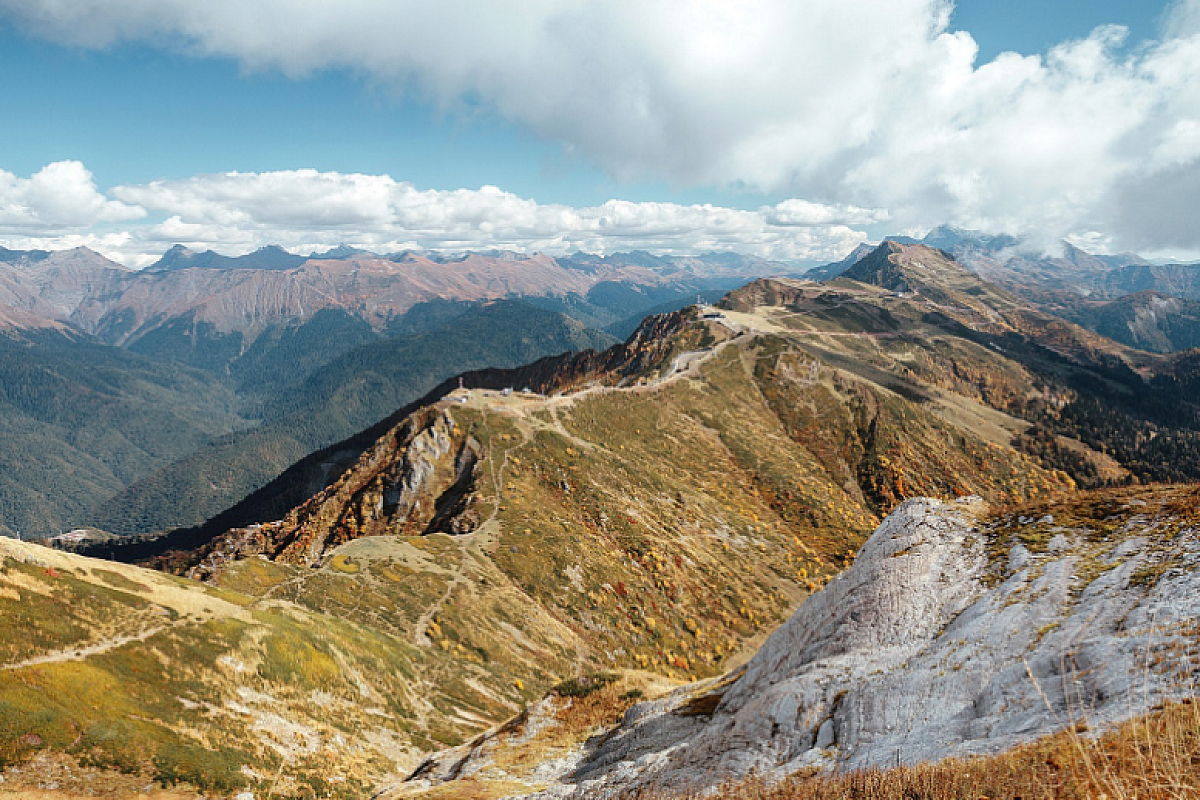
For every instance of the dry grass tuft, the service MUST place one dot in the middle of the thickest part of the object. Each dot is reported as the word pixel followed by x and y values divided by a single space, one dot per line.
pixel 1156 757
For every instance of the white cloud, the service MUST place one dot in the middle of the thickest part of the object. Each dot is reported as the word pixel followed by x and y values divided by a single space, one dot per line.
pixel 1182 19
pixel 853 103
pixel 306 210
pixel 806 212
pixel 61 196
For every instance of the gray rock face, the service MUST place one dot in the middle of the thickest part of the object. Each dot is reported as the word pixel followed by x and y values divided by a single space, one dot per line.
pixel 932 644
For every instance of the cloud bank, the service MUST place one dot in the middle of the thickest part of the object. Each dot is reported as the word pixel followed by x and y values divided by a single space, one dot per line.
pixel 306 210
pixel 59 198
pixel 846 103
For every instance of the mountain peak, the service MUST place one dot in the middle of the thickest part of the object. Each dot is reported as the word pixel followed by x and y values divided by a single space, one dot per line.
pixel 902 267
pixel 270 256
pixel 341 253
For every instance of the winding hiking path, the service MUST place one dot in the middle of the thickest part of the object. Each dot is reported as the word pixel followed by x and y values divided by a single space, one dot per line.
pixel 80 653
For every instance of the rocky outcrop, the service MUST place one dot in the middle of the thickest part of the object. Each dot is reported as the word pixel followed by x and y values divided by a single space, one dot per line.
pixel 418 478
pixel 950 635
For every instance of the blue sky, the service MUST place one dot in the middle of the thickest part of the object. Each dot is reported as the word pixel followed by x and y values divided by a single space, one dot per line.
pixel 153 100
pixel 1034 26
pixel 132 113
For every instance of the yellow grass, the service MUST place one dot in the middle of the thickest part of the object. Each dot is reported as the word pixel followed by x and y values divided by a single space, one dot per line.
pixel 1155 757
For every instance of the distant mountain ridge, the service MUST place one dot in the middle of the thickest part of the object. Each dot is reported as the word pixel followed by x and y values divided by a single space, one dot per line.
pixel 248 294
pixel 269 257
pixel 232 315
pixel 1088 289
pixel 260 326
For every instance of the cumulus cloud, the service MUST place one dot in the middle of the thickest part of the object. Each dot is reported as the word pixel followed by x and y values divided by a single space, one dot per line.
pixel 61 196
pixel 306 210
pixel 867 103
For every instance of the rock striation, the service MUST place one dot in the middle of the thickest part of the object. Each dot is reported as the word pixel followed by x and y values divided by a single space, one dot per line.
pixel 952 634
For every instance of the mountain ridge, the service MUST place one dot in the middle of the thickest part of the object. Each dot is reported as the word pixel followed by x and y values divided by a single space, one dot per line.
pixel 500 544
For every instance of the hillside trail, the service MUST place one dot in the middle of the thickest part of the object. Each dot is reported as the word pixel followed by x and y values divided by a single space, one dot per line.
pixel 103 646
pixel 523 406
pixel 524 412
pixel 476 545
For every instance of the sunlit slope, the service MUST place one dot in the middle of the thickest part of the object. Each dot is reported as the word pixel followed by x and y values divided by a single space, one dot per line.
pixel 134 670
pixel 662 522
pixel 659 507
pixel 911 318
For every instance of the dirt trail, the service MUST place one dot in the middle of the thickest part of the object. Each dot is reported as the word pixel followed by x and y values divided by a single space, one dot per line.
pixel 478 542
pixel 80 653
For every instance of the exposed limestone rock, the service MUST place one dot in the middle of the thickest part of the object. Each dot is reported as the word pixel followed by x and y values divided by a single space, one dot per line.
pixel 419 478
pixel 936 642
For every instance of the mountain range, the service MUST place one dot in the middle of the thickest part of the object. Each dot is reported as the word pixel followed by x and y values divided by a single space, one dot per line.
pixel 281 355
pixel 472 593
pixel 1124 297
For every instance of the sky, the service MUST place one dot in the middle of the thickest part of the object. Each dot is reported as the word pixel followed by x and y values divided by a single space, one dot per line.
pixel 790 129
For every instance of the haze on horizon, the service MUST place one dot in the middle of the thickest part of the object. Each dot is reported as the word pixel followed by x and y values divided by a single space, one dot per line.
pixel 780 129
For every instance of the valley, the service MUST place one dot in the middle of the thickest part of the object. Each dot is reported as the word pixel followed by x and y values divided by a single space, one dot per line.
pixel 281 355
pixel 567 569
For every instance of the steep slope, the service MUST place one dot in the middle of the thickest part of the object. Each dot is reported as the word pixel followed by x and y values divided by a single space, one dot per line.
pixel 337 400
pixel 833 270
pixel 946 286
pixel 1105 294
pixel 80 420
pixel 52 285
pixel 1146 320
pixel 956 631
pixel 1177 280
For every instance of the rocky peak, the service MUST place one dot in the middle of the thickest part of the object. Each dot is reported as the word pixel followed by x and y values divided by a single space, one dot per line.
pixel 901 267
pixel 419 478
pixel 271 257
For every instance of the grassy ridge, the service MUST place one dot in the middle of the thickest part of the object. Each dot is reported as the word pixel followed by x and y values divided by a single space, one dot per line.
pixel 130 670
